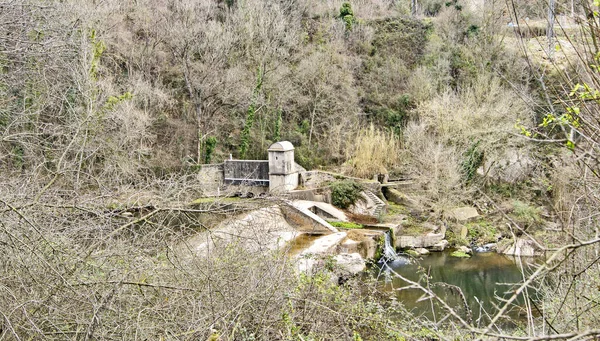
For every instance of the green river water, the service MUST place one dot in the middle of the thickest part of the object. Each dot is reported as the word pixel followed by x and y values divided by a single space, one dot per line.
pixel 483 279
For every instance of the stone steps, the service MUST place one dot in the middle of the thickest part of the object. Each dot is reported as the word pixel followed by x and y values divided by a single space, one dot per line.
pixel 379 204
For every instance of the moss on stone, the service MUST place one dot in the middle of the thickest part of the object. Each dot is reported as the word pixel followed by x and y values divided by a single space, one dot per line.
pixel 460 254
pixel 346 225
pixel 412 253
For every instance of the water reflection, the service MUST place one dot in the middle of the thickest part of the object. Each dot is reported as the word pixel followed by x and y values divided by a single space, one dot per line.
pixel 302 242
pixel 483 279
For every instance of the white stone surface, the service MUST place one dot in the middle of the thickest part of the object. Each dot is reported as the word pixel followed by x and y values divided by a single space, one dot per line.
pixel 315 219
pixel 324 245
pixel 351 263
pixel 422 251
pixel 283 176
pixel 465 249
pixel 426 240
pixel 463 214
pixel 260 230
pixel 441 246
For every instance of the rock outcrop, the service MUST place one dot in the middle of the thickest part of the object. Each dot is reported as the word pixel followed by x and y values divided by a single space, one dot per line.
pixel 368 204
pixel 464 214
pixel 366 242
pixel 422 241
pixel 350 263
pixel 440 246
pixel 512 167
pixel 520 248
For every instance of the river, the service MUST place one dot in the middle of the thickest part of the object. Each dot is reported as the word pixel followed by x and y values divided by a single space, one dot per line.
pixel 483 278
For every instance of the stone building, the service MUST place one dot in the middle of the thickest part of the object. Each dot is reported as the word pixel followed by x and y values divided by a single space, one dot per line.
pixel 283 176
pixel 279 174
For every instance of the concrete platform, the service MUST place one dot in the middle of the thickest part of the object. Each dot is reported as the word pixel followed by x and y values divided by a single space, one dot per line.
pixel 323 210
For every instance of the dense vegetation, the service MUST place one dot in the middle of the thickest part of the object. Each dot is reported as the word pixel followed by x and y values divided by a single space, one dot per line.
pixel 108 107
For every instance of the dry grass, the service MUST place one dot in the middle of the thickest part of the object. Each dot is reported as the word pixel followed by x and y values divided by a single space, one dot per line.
pixel 373 152
pixel 362 218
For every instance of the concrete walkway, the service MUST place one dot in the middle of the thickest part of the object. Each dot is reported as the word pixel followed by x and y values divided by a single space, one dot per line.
pixel 327 209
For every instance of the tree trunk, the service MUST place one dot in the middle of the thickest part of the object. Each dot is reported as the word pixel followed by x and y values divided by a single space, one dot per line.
pixel 312 122
pixel 195 97
pixel 200 137
pixel 550 29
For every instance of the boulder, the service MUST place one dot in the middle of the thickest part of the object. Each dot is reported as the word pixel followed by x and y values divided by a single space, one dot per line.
pixel 463 214
pixel 349 246
pixel 459 254
pixel 350 263
pixel 368 242
pixel 464 249
pixel 422 251
pixel 521 248
pixel 440 246
pixel 412 253
pixel 512 167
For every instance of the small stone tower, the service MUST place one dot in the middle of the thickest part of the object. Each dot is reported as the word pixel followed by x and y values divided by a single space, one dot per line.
pixel 283 176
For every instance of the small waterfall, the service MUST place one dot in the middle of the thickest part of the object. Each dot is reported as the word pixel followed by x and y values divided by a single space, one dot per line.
pixel 389 251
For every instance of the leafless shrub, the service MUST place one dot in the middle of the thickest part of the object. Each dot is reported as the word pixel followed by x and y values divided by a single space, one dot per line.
pixel 363 9
pixel 434 166
pixel 76 267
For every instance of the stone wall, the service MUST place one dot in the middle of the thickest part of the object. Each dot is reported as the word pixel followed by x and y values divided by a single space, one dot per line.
pixel 317 194
pixel 210 179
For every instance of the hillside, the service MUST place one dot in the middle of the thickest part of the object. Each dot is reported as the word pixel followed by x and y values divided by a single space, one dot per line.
pixel 109 110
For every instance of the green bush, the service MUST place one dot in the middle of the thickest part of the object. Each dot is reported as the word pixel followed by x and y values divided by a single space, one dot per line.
pixel 210 145
pixel 525 214
pixel 347 15
pixel 346 9
pixel 473 159
pixel 344 193
pixel 482 232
